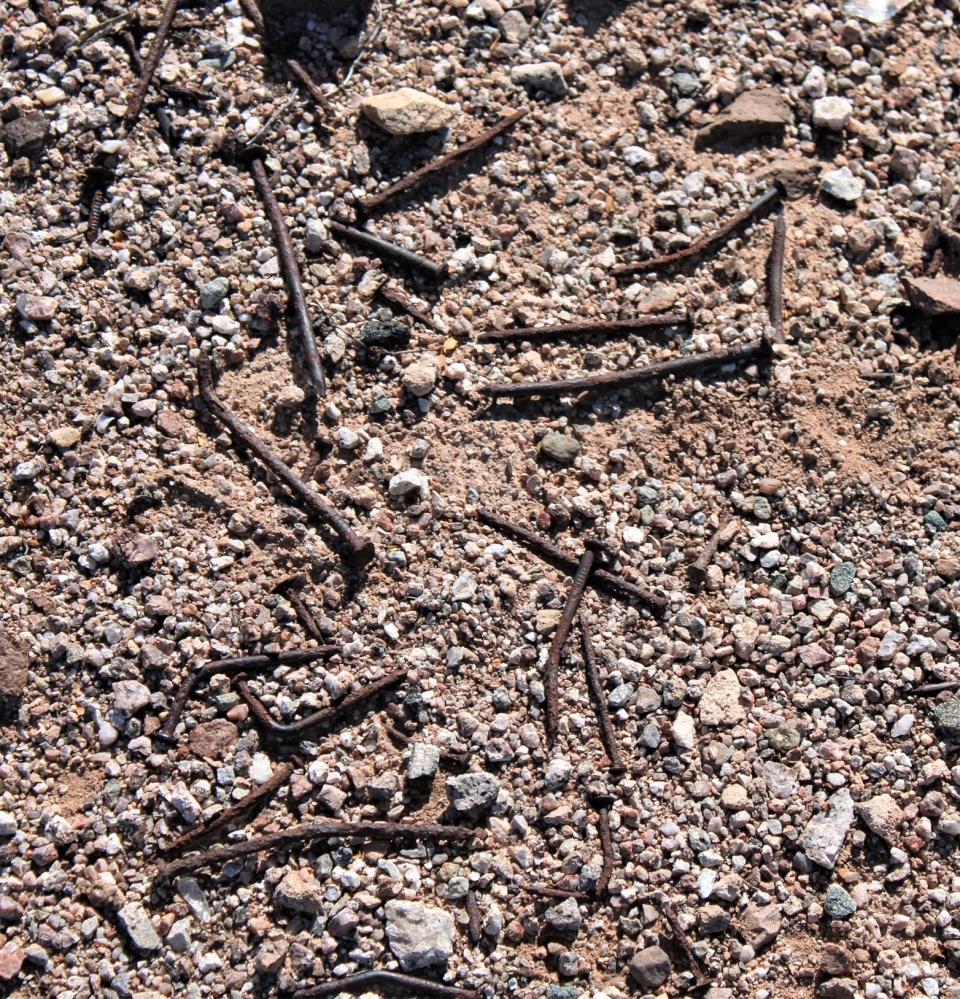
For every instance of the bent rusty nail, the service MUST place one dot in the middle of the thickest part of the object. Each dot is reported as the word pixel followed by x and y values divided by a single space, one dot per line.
pixel 365 981
pixel 559 559
pixel 705 243
pixel 610 328
pixel 358 550
pixel 319 719
pixel 607 736
pixel 242 809
pixel 151 63
pixel 723 535
pixel 306 81
pixel 775 275
pixel 395 832
pixel 551 669
pixel 231 667
pixel 291 276
pixel 441 162
pixel 384 248
pixel 678 367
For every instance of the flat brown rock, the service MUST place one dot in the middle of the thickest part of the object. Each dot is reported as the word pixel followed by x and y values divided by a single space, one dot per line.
pixel 794 174
pixel 934 296
pixel 214 739
pixel 753 113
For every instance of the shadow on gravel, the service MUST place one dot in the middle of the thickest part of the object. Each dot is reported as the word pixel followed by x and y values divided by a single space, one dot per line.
pixel 593 14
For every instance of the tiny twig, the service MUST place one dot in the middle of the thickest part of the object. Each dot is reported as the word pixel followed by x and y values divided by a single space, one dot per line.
pixel 232 667
pixel 397 832
pixel 705 243
pixel 441 163
pixel 678 367
pixel 370 981
pixel 549 552
pixel 319 719
pixel 723 535
pixel 291 275
pixel 359 551
pixel 367 42
pixel 384 248
pixel 103 27
pixel 151 63
pixel 242 809
pixel 775 275
pixel 595 685
pixel 551 669
pixel 614 328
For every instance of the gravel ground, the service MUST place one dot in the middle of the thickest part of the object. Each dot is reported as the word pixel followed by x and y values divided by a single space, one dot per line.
pixel 786 793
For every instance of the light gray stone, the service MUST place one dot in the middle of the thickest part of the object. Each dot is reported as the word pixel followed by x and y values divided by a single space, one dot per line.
pixel 419 935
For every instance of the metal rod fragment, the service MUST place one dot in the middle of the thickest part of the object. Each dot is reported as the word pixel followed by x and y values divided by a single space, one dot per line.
pixel 559 559
pixel 306 81
pixel 678 367
pixel 775 275
pixel 723 535
pixel 441 163
pixel 150 65
pixel 607 736
pixel 358 550
pixel 319 719
pixel 548 891
pixel 705 243
pixel 384 248
pixel 371 981
pixel 242 809
pixel 606 847
pixel 232 667
pixel 551 669
pixel 932 689
pixel 290 590
pixel 291 276
pixel 473 916
pixel 612 328
pixel 395 832
pixel 680 935
pixel 390 294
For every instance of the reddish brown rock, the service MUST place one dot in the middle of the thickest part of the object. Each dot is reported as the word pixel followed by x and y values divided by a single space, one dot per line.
pixel 11 959
pixel 754 113
pixel 934 296
pixel 214 739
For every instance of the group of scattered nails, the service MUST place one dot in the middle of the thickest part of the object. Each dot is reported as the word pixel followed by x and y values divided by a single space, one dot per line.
pixel 594 568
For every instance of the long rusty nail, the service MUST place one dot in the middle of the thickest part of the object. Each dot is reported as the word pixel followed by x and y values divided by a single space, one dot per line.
pixel 385 248
pixel 151 63
pixel 376 981
pixel 358 550
pixel 552 666
pixel 607 735
pixel 775 275
pixel 697 571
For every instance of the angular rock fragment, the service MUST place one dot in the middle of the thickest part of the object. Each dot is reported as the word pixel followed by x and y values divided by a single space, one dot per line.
pixel 406 111
pixel 472 794
pixel 546 76
pixel 754 113
pixel 26 135
pixel 882 816
pixel 301 892
pixel 720 703
pixel 934 296
pixel 419 935
pixel 650 968
pixel 824 836
pixel 135 921
pixel 761 924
